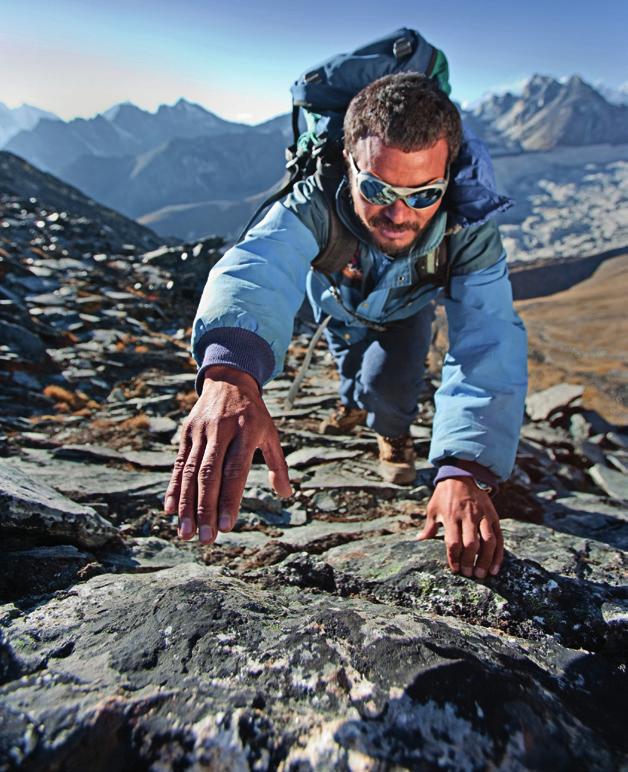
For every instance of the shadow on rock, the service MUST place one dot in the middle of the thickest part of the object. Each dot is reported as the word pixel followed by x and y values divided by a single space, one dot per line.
pixel 465 714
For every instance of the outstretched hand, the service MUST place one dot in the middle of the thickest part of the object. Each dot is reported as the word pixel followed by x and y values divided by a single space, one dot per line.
pixel 473 536
pixel 219 437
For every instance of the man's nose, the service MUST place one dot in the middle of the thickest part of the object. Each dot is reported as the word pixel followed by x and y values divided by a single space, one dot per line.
pixel 397 212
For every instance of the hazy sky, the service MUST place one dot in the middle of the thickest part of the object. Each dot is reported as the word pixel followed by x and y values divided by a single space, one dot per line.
pixel 238 58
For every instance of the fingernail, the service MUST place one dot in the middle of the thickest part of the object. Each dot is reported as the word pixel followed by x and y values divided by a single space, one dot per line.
pixel 466 571
pixel 206 534
pixel 224 522
pixel 170 505
pixel 480 573
pixel 186 528
pixel 495 570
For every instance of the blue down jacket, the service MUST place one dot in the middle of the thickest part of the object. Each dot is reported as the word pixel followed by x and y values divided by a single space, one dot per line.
pixel 259 285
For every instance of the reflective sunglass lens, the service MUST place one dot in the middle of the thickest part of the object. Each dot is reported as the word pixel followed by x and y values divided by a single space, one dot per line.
pixel 425 198
pixel 380 194
pixel 375 192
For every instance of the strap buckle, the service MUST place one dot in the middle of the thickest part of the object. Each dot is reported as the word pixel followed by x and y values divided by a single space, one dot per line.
pixel 402 47
pixel 313 76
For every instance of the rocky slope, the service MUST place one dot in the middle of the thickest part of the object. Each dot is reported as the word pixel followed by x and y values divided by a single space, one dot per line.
pixel 20 182
pixel 318 634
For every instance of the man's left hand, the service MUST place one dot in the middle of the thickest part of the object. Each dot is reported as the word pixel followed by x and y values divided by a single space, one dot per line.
pixel 473 536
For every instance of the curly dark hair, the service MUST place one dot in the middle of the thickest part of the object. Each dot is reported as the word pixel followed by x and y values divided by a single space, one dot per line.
pixel 407 111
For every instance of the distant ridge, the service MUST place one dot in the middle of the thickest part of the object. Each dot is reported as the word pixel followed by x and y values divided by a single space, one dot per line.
pixel 541 278
pixel 551 114
pixel 122 130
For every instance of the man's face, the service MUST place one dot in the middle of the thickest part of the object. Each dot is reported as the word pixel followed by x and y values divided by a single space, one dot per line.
pixel 394 228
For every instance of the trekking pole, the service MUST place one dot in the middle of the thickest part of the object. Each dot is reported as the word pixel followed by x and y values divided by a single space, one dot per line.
pixel 298 379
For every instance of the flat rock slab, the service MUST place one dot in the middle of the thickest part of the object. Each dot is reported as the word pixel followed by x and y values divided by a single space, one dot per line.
pixel 316 536
pixel 151 459
pixel 283 518
pixel 193 665
pixel 309 456
pixel 40 570
pixel 177 381
pixel 591 518
pixel 147 554
pixel 31 508
pixel 421 432
pixel 162 425
pixel 279 410
pixel 366 442
pixel 614 483
pixel 334 481
pixel 94 482
pixel 87 453
pixel 541 404
pixel 318 530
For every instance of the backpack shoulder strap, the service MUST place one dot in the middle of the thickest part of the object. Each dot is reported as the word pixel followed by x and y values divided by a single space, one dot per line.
pixel 341 244
pixel 436 267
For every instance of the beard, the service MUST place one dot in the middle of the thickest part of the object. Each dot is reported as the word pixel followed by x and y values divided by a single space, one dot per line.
pixel 389 246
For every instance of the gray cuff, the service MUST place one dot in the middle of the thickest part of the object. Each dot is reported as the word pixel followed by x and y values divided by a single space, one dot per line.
pixel 235 347
pixel 455 467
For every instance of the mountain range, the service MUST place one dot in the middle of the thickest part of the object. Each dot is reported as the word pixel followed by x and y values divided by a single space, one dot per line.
pixel 14 120
pixel 185 171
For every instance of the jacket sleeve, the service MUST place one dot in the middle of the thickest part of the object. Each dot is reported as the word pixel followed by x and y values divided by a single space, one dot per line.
pixel 246 313
pixel 480 404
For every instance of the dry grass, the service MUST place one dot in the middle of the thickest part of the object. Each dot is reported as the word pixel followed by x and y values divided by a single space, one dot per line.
pixel 138 423
pixel 69 401
pixel 581 336
pixel 114 434
pixel 576 336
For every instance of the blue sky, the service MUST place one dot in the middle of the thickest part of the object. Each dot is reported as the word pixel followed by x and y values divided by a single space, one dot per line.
pixel 238 58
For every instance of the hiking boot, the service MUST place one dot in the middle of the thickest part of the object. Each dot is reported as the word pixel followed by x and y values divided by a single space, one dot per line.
pixel 396 459
pixel 343 420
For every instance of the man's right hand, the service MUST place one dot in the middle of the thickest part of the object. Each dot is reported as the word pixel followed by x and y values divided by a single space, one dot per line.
pixel 218 440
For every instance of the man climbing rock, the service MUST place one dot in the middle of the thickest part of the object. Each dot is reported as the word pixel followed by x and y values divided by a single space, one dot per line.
pixel 413 232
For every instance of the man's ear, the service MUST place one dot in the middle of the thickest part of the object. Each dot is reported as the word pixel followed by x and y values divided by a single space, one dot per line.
pixel 347 160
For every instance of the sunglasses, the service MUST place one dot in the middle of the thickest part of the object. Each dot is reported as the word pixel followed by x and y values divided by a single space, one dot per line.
pixel 380 193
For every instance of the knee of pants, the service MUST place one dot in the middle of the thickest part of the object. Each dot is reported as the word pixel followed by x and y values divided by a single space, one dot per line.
pixel 391 387
pixel 400 385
